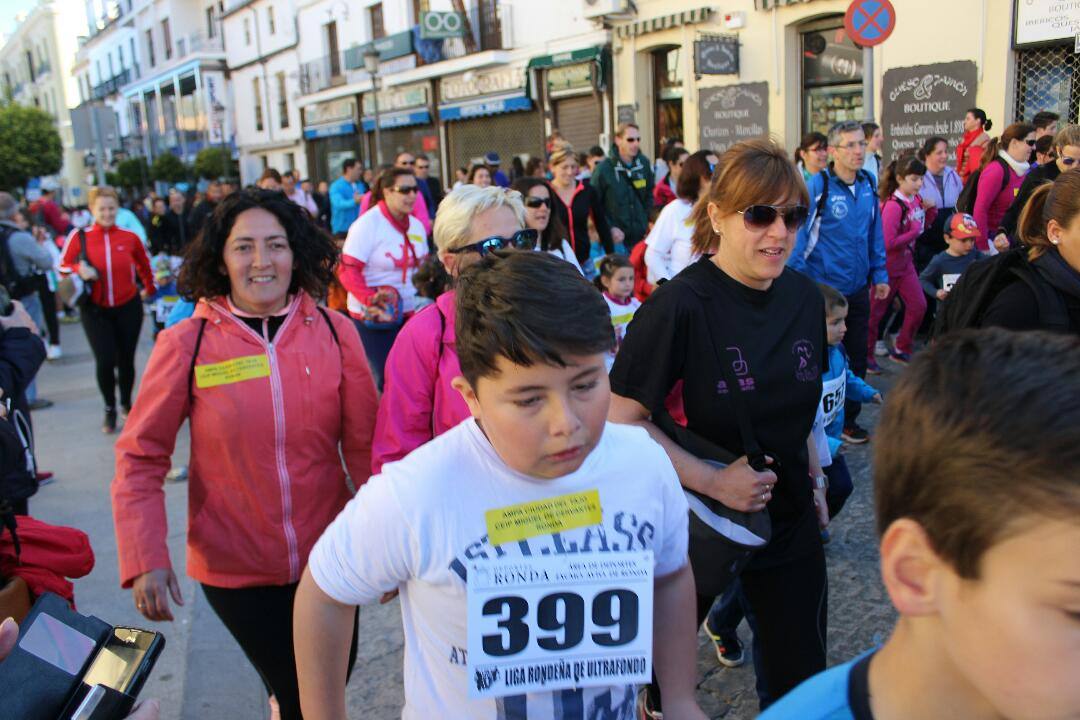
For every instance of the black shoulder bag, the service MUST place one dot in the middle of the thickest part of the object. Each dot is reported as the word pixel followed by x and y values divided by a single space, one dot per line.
pixel 88 285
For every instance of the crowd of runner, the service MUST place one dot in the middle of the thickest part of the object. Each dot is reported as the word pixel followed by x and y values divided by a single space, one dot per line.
pixel 397 387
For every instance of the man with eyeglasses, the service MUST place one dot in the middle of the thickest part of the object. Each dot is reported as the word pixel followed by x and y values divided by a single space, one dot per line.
pixel 841 244
pixel 625 184
pixel 406 161
pixel 1067 149
pixel 430 187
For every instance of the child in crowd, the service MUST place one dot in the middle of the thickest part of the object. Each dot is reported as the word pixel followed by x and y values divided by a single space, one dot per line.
pixel 904 215
pixel 980 564
pixel 430 280
pixel 839 384
pixel 947 266
pixel 480 502
pixel 615 279
pixel 166 269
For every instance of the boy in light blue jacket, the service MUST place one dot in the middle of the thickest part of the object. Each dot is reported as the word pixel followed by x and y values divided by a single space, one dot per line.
pixel 839 384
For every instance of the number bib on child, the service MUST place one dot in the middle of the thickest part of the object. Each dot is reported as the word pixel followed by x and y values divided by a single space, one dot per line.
pixel 833 394
pixel 537 624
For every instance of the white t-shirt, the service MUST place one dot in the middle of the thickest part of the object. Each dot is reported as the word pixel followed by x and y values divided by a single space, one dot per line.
pixel 669 245
pixel 417 525
pixel 621 315
pixel 388 261
pixel 565 252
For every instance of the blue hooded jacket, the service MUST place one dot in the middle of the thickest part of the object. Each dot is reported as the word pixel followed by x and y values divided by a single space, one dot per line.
pixel 855 389
pixel 843 245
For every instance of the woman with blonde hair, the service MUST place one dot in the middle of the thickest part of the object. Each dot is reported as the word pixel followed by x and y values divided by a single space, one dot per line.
pixel 575 203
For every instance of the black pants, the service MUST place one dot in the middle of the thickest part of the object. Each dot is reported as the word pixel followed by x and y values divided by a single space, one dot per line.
pixel 48 308
pixel 113 334
pixel 858 328
pixel 840 485
pixel 790 606
pixel 260 619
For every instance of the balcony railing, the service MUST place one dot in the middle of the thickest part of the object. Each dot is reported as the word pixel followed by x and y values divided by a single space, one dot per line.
pixel 199 42
pixel 487 34
pixel 326 72
pixel 110 86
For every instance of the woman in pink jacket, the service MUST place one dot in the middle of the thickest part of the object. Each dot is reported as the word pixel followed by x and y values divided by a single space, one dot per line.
pixel 904 215
pixel 418 402
pixel 1005 164
pixel 271 384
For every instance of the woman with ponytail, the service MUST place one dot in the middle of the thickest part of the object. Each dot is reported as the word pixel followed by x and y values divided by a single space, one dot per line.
pixel 969 153
pixel 1050 230
pixel 904 216
pixel 1005 163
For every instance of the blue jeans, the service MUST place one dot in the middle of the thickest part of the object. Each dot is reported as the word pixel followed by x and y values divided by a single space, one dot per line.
pixel 34 309
pixel 377 343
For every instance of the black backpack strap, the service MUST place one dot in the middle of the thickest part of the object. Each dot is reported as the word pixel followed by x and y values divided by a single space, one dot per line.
pixel 329 324
pixel 194 356
pixel 438 359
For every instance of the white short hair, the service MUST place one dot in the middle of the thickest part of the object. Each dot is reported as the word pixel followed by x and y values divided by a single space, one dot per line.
pixel 454 220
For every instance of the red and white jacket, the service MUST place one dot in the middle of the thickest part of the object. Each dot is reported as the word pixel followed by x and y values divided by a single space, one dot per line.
pixel 118 256
pixel 265 475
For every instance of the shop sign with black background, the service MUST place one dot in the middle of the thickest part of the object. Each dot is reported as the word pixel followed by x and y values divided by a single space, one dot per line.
pixel 716 56
pixel 732 113
pixel 926 100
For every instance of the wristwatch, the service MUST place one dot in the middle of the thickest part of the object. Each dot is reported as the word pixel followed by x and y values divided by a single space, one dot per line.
pixel 819 482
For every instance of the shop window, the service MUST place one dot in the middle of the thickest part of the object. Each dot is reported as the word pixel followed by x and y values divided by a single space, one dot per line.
pixel 1047 79
pixel 668 91
pixel 832 71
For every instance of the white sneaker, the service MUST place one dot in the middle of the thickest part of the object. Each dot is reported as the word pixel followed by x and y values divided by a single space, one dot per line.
pixel 881 349
pixel 54 353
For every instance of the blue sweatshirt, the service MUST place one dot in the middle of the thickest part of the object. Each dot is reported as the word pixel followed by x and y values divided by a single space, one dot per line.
pixel 343 206
pixel 838 385
pixel 844 247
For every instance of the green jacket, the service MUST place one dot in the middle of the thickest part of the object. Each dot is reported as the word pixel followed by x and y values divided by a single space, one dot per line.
pixel 626 192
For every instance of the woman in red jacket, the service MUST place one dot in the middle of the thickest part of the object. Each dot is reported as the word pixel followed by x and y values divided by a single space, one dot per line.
pixel 272 385
pixel 113 316
pixel 969 153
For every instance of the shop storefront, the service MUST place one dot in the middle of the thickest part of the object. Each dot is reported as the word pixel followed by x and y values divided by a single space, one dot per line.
pixel 832 75
pixel 575 94
pixel 330 137
pixel 490 111
pixel 1047 66
pixel 406 123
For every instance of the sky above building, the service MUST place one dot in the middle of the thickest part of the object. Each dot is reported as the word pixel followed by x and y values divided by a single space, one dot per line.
pixel 9 9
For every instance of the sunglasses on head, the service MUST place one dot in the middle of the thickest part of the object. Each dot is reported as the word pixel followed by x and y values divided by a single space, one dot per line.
pixel 1068 161
pixel 535 202
pixel 759 217
pixel 521 240
pixel 405 189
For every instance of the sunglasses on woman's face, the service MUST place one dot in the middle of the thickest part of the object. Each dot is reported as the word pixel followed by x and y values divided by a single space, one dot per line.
pixel 405 189
pixel 759 217
pixel 1068 161
pixel 1030 143
pixel 521 240
pixel 535 202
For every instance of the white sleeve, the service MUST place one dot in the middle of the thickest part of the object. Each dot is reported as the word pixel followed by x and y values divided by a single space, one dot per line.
pixel 670 553
pixel 368 550
pixel 820 439
pixel 570 257
pixel 360 240
pixel 658 246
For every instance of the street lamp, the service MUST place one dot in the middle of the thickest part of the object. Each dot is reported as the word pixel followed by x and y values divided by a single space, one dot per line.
pixel 371 64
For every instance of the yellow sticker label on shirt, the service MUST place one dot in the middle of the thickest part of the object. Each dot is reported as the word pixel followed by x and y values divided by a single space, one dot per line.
pixel 236 370
pixel 418 239
pixel 622 319
pixel 639 183
pixel 543 517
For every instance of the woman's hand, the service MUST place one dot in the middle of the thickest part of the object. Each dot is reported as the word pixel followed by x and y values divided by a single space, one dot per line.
pixel 617 235
pixel 821 508
pixel 87 272
pixel 741 487
pixel 942 294
pixel 151 592
pixel 1001 242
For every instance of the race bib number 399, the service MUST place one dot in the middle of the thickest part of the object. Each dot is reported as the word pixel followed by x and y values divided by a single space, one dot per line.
pixel 537 624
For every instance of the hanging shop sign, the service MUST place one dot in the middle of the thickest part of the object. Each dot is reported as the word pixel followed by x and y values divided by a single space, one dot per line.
pixel 397 98
pixel 626 114
pixel 1045 21
pixel 214 90
pixel 570 77
pixel 717 55
pixel 732 113
pixel 490 82
pixel 923 101
pixel 441 25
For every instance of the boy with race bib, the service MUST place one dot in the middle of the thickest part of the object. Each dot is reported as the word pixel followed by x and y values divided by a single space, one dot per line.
pixel 540 552
pixel 839 385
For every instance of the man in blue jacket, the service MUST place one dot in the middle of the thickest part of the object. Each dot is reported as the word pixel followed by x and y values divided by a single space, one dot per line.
pixel 345 195
pixel 841 245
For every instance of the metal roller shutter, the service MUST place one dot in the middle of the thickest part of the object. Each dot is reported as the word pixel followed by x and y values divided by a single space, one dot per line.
pixel 510 134
pixel 579 119
pixel 409 139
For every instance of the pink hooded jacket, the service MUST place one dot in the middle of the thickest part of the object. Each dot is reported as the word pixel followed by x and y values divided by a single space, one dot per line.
pixel 265 475
pixel 418 402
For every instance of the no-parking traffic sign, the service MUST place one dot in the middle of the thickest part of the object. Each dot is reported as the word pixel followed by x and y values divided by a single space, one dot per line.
pixel 870 22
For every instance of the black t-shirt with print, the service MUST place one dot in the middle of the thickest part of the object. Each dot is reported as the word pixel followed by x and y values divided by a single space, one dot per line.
pixel 776 342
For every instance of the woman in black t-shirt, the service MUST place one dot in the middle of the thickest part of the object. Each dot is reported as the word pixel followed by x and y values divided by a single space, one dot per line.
pixel 769 321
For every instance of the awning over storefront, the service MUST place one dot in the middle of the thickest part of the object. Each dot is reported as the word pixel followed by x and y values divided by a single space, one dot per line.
pixel 403 118
pixel 593 54
pixel 483 106
pixel 329 130
pixel 665 22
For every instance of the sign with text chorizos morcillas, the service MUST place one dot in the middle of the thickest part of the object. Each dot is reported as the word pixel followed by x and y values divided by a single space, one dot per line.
pixel 923 101
pixel 730 113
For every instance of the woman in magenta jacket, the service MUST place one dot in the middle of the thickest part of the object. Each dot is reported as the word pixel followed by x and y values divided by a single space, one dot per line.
pixel 1005 164
pixel 418 402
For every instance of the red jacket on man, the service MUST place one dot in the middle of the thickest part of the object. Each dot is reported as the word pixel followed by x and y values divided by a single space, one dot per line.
pixel 118 256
